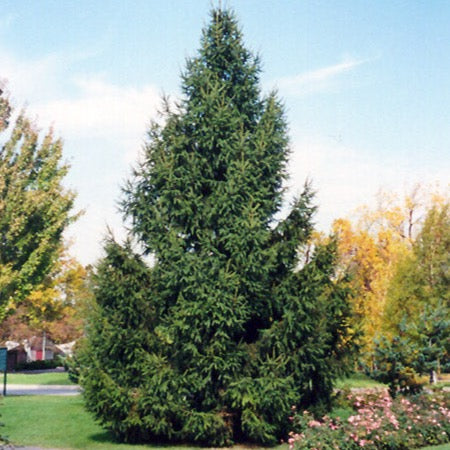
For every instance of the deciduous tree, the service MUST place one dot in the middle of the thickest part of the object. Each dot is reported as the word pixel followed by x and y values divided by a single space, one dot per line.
pixel 422 278
pixel 34 205
pixel 55 305
pixel 375 246
pixel 419 293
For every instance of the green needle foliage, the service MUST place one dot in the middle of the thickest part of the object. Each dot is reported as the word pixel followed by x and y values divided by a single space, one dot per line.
pixel 34 206
pixel 224 332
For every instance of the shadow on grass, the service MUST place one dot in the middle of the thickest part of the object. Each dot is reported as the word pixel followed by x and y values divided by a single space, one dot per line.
pixel 107 437
pixel 104 437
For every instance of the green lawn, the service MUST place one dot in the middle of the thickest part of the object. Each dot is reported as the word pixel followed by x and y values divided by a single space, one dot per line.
pixel 39 378
pixel 437 447
pixel 54 422
pixel 444 380
pixel 358 380
pixel 61 422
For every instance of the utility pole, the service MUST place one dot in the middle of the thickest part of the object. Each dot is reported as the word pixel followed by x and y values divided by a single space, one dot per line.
pixel 44 344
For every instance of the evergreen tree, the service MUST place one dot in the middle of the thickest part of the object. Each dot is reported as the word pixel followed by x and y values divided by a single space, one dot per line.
pixel 34 206
pixel 237 333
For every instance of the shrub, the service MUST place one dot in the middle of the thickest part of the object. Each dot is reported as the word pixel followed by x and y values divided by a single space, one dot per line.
pixel 395 365
pixel 39 365
pixel 377 422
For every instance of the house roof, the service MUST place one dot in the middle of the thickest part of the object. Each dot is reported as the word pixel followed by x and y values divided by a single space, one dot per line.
pixel 12 345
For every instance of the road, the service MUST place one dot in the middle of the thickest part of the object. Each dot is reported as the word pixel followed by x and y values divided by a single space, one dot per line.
pixel 41 389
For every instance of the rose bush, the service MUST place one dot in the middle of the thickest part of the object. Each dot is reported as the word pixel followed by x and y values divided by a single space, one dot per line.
pixel 376 422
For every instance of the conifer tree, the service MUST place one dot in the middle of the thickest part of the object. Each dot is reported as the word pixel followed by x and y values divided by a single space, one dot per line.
pixel 238 334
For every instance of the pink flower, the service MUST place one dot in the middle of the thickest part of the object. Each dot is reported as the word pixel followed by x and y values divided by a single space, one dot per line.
pixel 314 424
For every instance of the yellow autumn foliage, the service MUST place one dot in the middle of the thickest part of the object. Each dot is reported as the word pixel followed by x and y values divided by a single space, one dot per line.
pixel 373 244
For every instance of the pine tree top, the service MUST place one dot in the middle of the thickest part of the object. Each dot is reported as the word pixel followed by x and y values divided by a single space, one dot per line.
pixel 223 62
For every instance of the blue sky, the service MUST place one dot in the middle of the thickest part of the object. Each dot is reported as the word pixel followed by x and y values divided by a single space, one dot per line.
pixel 366 87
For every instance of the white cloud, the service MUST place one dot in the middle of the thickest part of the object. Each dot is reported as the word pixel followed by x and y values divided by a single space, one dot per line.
pixel 101 109
pixel 316 80
pixel 346 178
pixel 28 79
pixel 87 105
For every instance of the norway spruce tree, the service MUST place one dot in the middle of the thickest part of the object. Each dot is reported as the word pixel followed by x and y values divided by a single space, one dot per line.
pixel 233 329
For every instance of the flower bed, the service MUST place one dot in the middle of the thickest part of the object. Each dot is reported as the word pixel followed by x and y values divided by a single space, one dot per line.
pixel 376 421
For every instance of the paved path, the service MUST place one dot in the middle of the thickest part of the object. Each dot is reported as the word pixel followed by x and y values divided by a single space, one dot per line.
pixel 41 389
pixel 12 447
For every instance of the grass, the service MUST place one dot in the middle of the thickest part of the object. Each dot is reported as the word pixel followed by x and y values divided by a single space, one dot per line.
pixel 357 381
pixel 49 378
pixel 54 422
pixel 443 380
pixel 62 422
pixel 437 447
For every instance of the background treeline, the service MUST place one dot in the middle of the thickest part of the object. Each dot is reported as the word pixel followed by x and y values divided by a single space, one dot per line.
pixel 399 256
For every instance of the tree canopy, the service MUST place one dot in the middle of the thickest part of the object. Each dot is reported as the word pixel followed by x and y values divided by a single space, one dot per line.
pixel 34 205
pixel 422 278
pixel 55 305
